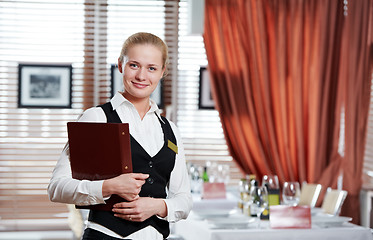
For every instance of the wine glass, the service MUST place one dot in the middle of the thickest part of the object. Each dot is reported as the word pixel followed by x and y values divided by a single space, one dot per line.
pixel 223 173
pixel 271 181
pixel 195 179
pixel 258 201
pixel 291 193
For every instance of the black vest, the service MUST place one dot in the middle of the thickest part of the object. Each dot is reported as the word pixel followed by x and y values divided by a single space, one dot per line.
pixel 159 169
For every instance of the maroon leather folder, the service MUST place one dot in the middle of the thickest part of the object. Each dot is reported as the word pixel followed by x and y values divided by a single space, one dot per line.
pixel 99 151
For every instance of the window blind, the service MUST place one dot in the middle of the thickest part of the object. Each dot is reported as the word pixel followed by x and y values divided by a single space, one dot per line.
pixel 38 32
pixel 200 128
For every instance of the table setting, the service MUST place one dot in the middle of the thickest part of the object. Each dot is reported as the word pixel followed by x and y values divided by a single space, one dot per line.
pixel 255 215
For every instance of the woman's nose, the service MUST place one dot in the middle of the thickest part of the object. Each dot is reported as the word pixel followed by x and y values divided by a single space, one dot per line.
pixel 141 74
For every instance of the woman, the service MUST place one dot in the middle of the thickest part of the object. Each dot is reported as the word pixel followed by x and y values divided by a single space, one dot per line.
pixel 154 197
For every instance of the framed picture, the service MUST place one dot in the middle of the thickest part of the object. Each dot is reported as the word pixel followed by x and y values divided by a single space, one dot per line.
pixel 205 100
pixel 117 85
pixel 44 86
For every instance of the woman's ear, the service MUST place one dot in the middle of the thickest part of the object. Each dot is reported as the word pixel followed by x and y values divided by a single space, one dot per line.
pixel 164 73
pixel 120 66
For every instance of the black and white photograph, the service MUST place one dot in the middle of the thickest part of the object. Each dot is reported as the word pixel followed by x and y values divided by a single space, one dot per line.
pixel 44 86
pixel 117 85
pixel 205 100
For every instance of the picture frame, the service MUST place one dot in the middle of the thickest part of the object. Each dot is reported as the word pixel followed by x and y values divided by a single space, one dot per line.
pixel 205 100
pixel 117 85
pixel 44 85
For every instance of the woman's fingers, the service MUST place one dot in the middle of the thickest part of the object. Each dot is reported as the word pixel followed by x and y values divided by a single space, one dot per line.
pixel 125 210
pixel 129 197
pixel 127 217
pixel 140 176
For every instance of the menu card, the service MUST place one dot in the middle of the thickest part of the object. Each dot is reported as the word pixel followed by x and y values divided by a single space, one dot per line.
pixel 290 216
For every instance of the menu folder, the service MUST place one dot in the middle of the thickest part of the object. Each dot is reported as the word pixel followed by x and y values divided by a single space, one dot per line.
pixel 99 151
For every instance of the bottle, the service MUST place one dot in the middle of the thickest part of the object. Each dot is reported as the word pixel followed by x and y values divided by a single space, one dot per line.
pixel 242 187
pixel 245 185
pixel 253 183
pixel 251 179
pixel 205 176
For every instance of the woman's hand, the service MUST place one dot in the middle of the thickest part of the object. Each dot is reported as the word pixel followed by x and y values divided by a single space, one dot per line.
pixel 127 185
pixel 140 209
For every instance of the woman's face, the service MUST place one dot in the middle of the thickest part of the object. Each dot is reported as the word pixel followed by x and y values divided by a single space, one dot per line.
pixel 141 71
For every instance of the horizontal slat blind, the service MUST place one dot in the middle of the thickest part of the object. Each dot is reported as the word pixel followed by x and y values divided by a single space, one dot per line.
pixel 201 129
pixel 37 32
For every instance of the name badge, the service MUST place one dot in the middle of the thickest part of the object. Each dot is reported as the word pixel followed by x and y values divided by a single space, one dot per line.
pixel 172 146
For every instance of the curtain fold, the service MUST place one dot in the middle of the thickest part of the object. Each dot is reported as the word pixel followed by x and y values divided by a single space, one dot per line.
pixel 281 73
pixel 357 74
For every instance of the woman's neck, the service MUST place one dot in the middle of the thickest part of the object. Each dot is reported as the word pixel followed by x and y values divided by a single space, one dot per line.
pixel 142 105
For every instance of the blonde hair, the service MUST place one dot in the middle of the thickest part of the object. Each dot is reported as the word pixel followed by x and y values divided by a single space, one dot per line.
pixel 146 38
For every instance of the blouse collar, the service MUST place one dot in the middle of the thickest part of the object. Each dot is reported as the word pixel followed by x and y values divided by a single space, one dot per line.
pixel 119 99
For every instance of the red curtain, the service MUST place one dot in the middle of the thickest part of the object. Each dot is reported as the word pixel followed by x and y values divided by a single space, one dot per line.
pixel 356 72
pixel 282 72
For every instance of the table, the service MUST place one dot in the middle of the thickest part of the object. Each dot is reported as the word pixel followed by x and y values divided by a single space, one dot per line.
pixel 195 228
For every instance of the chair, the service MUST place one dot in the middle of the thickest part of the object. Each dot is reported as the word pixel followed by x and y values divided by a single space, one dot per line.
pixel 76 220
pixel 309 194
pixel 333 201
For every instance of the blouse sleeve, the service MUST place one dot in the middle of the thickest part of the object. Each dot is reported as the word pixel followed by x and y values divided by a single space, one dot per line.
pixel 179 199
pixel 62 187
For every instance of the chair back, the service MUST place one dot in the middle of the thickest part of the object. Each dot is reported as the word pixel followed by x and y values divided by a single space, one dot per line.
pixel 333 201
pixel 309 194
pixel 76 220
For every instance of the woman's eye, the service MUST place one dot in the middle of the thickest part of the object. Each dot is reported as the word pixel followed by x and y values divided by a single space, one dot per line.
pixel 133 65
pixel 152 68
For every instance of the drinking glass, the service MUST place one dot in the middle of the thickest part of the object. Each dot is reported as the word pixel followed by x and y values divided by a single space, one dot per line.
pixel 195 179
pixel 258 201
pixel 291 193
pixel 271 181
pixel 223 173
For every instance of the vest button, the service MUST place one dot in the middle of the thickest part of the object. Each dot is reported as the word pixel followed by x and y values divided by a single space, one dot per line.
pixel 150 163
pixel 150 180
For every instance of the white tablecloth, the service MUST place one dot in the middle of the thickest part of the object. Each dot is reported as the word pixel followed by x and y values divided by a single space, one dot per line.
pixel 192 229
pixel 195 228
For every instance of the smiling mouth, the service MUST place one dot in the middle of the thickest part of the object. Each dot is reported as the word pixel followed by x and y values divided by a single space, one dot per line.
pixel 139 85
